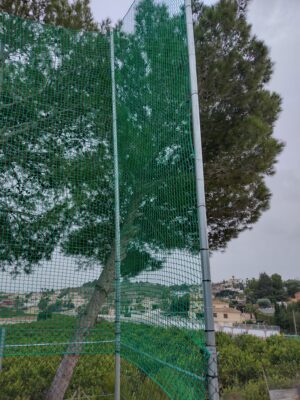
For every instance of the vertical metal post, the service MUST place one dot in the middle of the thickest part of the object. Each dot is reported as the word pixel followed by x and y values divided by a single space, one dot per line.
pixel 2 341
pixel 117 228
pixel 213 386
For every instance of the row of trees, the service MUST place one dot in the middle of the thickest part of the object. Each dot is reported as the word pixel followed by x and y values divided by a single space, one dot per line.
pixel 271 287
pixel 47 308
pixel 273 292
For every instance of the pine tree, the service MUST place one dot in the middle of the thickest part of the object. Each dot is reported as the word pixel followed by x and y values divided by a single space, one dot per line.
pixel 75 15
pixel 238 114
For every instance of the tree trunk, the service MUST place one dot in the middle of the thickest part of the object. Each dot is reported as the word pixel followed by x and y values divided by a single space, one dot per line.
pixel 66 368
pixel 103 287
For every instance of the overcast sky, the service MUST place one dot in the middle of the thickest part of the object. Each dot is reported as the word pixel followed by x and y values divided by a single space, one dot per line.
pixel 273 243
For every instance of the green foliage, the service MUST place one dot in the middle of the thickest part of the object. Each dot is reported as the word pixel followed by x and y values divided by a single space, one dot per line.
pixel 292 286
pixel 238 114
pixel 244 359
pixel 164 361
pixel 231 294
pixel 253 390
pixel 150 354
pixel 47 115
pixel 287 316
pixel 56 332
pixel 277 291
pixel 266 287
pixel 70 14
pixel 27 378
pixel 157 178
pixel 127 312
pixel 264 303
pixel 6 312
pixel 43 303
pixel 43 315
pixel 241 363
pixel 180 305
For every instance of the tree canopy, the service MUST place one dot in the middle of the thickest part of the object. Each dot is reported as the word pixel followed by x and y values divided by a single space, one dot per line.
pixel 70 14
pixel 270 287
pixel 238 114
pixel 55 125
pixel 44 159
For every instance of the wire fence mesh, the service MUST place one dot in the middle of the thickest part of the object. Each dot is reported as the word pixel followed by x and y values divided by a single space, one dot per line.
pixel 57 246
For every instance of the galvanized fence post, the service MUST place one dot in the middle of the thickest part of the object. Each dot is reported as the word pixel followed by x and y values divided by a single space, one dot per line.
pixel 213 386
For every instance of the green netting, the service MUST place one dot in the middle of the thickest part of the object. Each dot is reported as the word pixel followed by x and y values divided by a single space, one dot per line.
pixel 57 210
pixel 56 198
pixel 159 235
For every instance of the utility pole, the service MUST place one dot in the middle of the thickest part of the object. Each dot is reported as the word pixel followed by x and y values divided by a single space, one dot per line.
pixel 295 323
pixel 213 385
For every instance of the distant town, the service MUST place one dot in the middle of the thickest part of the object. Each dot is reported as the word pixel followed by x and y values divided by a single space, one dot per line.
pixel 263 307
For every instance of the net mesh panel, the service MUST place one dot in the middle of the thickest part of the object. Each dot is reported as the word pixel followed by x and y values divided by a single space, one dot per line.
pixel 161 294
pixel 56 204
pixel 57 209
